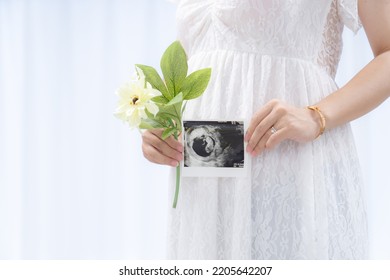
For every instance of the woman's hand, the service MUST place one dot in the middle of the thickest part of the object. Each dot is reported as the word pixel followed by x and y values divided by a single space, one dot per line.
pixel 166 152
pixel 278 121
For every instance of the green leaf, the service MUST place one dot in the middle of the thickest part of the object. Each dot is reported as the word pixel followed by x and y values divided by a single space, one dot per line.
pixel 170 121
pixel 154 79
pixel 196 83
pixel 168 116
pixel 171 112
pixel 184 107
pixel 145 125
pixel 178 98
pixel 150 123
pixel 160 99
pixel 167 110
pixel 168 132
pixel 174 67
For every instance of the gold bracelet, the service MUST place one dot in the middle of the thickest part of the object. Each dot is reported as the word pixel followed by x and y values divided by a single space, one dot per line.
pixel 322 118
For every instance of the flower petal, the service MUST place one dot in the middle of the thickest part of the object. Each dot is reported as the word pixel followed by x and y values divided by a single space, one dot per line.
pixel 120 115
pixel 134 119
pixel 152 108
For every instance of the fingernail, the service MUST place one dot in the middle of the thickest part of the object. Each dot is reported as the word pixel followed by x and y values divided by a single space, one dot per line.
pixel 253 154
pixel 174 163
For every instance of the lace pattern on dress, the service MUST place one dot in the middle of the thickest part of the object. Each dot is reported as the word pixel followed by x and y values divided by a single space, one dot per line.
pixel 342 12
pixel 331 47
pixel 348 12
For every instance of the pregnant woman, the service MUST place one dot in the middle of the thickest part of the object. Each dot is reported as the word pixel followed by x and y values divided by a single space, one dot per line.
pixel 274 64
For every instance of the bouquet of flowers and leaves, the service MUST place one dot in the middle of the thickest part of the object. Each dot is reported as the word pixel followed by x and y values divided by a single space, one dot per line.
pixel 148 101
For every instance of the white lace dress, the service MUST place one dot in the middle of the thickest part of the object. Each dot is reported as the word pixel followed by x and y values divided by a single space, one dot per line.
pixel 302 201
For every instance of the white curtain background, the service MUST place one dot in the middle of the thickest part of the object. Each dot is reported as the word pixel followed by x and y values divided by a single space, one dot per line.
pixel 73 181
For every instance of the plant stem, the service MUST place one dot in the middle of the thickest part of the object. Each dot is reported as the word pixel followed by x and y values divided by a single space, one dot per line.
pixel 178 169
pixel 177 186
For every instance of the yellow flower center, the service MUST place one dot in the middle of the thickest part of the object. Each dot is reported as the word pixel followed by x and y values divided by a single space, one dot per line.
pixel 134 100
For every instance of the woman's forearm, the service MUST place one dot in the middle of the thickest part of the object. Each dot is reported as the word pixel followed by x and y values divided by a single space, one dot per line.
pixel 369 88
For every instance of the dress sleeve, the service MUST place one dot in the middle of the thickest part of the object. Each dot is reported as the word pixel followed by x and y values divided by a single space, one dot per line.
pixel 349 15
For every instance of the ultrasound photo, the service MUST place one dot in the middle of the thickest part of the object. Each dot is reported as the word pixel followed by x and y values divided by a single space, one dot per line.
pixel 214 144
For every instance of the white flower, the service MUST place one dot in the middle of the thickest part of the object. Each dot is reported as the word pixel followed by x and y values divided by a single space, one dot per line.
pixel 135 99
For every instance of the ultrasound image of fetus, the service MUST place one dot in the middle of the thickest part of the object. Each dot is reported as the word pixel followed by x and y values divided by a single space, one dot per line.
pixel 203 145
pixel 215 144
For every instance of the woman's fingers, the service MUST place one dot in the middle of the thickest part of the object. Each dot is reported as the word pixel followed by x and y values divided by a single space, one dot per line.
pixel 276 138
pixel 270 139
pixel 171 141
pixel 167 152
pixel 261 124
pixel 260 146
pixel 155 156
pixel 261 130
pixel 278 121
pixel 257 118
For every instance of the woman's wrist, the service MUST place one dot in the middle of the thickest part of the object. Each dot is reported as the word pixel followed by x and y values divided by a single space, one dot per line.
pixel 320 119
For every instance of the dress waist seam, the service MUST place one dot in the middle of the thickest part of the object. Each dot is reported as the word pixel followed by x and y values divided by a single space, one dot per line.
pixel 274 56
